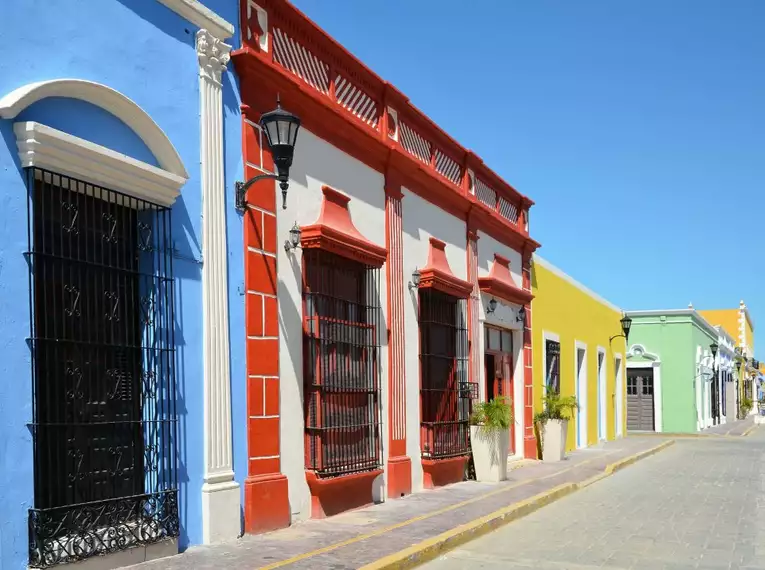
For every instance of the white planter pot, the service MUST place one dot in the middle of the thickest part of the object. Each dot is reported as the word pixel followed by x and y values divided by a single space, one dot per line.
pixel 489 453
pixel 554 440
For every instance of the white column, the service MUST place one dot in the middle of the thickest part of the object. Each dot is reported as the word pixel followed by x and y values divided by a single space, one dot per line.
pixel 221 517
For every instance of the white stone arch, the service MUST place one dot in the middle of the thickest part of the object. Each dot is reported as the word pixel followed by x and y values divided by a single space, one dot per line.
pixel 649 360
pixel 106 98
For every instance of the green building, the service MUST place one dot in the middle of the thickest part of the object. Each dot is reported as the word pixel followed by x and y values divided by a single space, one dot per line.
pixel 670 382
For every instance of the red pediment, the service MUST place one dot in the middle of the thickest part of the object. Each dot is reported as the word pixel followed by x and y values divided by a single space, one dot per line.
pixel 500 283
pixel 438 275
pixel 334 231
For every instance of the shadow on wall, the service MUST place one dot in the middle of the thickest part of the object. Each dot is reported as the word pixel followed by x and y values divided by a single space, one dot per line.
pixel 164 19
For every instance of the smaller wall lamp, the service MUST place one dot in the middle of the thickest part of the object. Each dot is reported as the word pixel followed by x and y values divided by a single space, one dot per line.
pixel 415 282
pixel 492 306
pixel 294 241
pixel 521 317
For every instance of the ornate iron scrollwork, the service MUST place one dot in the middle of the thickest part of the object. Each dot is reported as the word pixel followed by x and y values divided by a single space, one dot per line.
pixel 74 301
pixel 71 209
pixel 108 235
pixel 111 313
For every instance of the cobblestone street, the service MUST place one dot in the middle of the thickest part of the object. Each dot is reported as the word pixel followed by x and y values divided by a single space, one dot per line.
pixel 698 504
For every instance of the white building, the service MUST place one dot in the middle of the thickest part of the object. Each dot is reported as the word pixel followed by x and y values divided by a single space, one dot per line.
pixel 366 344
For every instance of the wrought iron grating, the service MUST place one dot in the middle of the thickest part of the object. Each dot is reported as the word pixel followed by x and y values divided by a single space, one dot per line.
pixel 342 323
pixel 444 401
pixel 104 420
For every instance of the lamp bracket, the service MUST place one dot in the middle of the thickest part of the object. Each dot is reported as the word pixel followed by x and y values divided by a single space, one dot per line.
pixel 617 336
pixel 242 187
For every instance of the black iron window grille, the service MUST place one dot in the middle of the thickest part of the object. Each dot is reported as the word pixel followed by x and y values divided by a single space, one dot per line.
pixel 444 399
pixel 552 363
pixel 341 379
pixel 102 340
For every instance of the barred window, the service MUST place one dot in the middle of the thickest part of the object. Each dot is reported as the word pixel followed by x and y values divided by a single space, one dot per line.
pixel 341 348
pixel 444 399
pixel 104 425
pixel 552 364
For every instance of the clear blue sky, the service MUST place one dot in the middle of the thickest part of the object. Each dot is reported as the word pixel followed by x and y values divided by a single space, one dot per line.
pixel 637 127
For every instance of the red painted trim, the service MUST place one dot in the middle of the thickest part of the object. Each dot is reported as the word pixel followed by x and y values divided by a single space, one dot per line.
pixel 399 476
pixel 337 494
pixel 266 503
pixel 438 275
pixel 261 78
pixel 440 472
pixel 500 283
pixel 334 231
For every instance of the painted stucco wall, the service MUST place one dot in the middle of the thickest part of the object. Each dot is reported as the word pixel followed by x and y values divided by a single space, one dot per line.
pixel 682 345
pixel 565 311
pixel 147 52
pixel 318 164
pixel 421 221
pixel 726 318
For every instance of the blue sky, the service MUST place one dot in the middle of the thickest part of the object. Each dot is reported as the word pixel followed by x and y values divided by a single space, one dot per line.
pixel 637 127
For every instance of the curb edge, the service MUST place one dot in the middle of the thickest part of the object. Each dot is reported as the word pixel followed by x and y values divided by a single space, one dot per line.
pixel 429 549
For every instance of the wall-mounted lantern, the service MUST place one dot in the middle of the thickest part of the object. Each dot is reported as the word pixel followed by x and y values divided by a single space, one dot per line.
pixel 281 128
pixel 521 316
pixel 492 307
pixel 626 323
pixel 294 241
pixel 415 282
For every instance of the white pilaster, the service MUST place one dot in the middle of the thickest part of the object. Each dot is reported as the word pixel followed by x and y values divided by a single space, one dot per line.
pixel 221 517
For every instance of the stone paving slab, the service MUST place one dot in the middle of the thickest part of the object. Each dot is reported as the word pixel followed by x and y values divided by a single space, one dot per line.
pixel 350 540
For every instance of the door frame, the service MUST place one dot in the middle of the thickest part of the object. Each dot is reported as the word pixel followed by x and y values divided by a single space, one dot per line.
pixel 649 360
pixel 580 389
pixel 510 383
pixel 619 395
pixel 602 399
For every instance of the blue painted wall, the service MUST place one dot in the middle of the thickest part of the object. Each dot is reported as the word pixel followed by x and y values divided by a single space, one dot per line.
pixel 145 51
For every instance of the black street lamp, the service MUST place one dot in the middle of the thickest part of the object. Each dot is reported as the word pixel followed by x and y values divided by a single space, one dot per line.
pixel 492 306
pixel 626 323
pixel 281 128
pixel 521 318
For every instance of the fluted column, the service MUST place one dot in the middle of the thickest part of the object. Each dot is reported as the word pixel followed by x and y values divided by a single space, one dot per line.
pixel 220 493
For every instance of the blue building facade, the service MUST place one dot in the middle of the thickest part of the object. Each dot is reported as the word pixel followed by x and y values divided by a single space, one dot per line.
pixel 121 271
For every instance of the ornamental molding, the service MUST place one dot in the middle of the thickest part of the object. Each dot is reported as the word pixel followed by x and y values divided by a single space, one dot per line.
pixel 108 99
pixel 213 56
pixel 198 14
pixel 639 351
pixel 44 147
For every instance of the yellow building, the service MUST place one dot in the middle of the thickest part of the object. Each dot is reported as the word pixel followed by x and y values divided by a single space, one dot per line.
pixel 738 324
pixel 571 329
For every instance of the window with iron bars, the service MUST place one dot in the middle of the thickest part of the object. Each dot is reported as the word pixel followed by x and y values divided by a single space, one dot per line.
pixel 104 422
pixel 444 401
pixel 552 364
pixel 341 379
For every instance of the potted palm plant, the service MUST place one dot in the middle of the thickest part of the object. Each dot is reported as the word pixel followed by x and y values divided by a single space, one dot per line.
pixel 490 438
pixel 553 424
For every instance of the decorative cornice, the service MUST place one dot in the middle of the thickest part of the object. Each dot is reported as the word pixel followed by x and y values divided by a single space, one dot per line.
pixel 334 231
pixel 213 55
pixel 201 16
pixel 438 275
pixel 48 148
pixel 500 283
pixel 107 99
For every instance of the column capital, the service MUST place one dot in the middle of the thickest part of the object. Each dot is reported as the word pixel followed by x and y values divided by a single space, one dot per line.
pixel 213 54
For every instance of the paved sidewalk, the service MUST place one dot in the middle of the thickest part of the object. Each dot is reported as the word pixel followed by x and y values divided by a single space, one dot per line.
pixel 736 428
pixel 351 540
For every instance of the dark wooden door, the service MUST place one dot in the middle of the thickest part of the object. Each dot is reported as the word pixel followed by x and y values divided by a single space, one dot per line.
pixel 640 396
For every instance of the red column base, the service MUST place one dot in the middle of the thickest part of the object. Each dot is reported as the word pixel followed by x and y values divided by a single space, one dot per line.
pixel 440 472
pixel 266 503
pixel 530 447
pixel 337 494
pixel 399 476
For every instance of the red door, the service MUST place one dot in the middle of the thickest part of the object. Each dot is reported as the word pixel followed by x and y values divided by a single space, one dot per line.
pixel 498 360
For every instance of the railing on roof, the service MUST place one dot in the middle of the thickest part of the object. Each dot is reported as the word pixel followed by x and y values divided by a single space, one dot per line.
pixel 301 49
